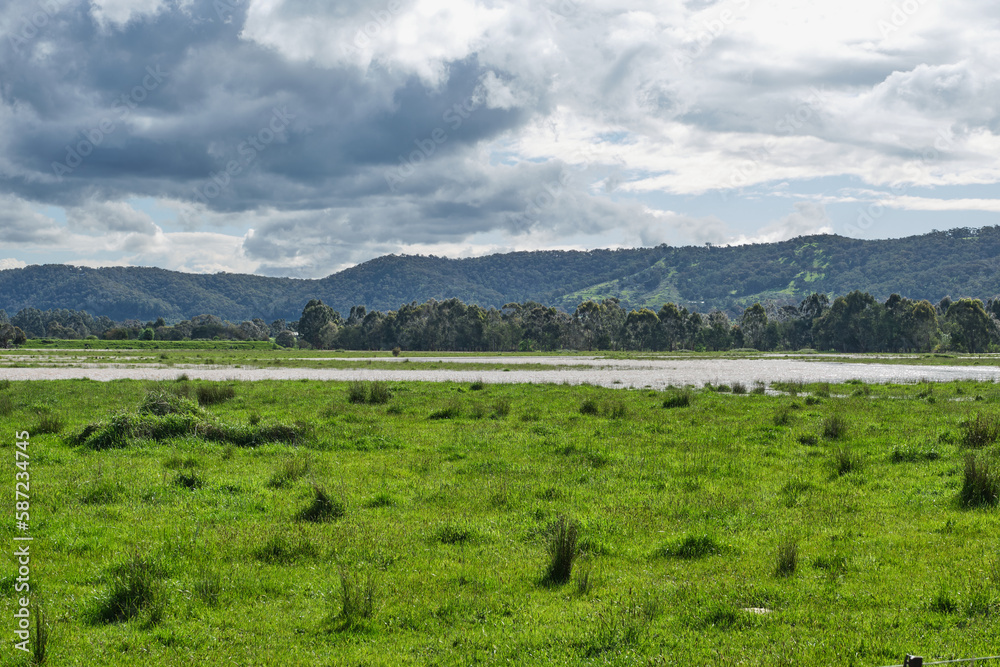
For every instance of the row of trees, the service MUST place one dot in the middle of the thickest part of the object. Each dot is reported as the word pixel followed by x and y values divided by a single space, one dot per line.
pixel 856 322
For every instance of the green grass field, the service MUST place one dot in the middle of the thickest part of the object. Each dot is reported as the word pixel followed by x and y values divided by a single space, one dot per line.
pixel 312 523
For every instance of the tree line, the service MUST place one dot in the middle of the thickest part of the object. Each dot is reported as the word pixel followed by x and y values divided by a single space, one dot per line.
pixel 856 322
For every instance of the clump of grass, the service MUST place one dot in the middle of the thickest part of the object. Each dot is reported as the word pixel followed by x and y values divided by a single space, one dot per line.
pixel 783 417
pixel 808 439
pixel 158 402
pixel 980 483
pixel 677 399
pixel 40 641
pixel 911 454
pixel 584 579
pixel 357 600
pixel 501 408
pixel 943 602
pixel 616 410
pixel 563 551
pixel 6 405
pixel 787 558
pixel 759 387
pixel 213 393
pixel 845 461
pixel 980 431
pixel 288 471
pixel 739 388
pixel 282 551
pixel 188 480
pixel 322 508
pixel 835 427
pixel 454 534
pixel 381 499
pixel 689 548
pixel 101 492
pixel 450 411
pixel 48 423
pixel 134 589
pixel 208 586
pixel 478 385
pixel 589 407
pixel 723 388
pixel 372 393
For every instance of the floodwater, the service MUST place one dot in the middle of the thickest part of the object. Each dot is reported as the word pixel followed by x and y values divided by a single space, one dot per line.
pixel 634 373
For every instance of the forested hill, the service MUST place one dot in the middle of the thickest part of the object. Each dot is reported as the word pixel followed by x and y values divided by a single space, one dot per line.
pixel 956 263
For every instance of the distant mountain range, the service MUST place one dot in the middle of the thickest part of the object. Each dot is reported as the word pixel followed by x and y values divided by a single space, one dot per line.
pixel 959 262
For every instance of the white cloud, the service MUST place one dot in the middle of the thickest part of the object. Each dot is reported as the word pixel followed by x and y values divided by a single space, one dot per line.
pixel 9 263
pixel 119 12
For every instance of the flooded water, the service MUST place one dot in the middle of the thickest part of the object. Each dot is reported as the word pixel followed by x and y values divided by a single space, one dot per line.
pixel 635 373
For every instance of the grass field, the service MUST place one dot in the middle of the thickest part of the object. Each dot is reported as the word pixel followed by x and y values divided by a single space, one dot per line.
pixel 315 523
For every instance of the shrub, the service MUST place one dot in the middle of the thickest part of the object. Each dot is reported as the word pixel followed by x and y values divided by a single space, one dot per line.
pixel 677 399
pixel 589 407
pixel 396 351
pixel 210 394
pixel 562 551
pixel 322 508
pixel 835 427
pixel 357 600
pixel 788 558
pixel 980 431
pixel 980 483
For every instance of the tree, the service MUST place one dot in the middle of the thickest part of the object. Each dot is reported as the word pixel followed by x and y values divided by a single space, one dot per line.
pixel 971 328
pixel 753 324
pixel 315 316
pixel 285 338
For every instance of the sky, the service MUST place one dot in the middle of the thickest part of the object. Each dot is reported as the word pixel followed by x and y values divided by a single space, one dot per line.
pixel 300 137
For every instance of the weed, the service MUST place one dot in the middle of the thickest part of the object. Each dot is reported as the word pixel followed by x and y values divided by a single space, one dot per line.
pixel 835 427
pixel 322 508
pixel 787 558
pixel 562 551
pixel 980 483
pixel 677 399
pixel 211 394
pixel 980 431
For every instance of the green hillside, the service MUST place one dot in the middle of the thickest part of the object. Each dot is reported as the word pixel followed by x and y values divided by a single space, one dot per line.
pixel 956 263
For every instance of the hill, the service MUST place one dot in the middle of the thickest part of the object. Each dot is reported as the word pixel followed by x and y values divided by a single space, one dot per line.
pixel 958 262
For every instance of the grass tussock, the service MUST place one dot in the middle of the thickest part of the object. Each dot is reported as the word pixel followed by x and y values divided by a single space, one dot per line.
pixel 214 393
pixel 980 431
pixel 677 399
pixel 980 483
pixel 160 403
pixel 280 549
pixel 48 423
pixel 589 407
pixel 40 636
pixel 134 590
pixel 188 480
pixel 451 411
pixel 563 551
pixel 787 559
pixel 690 547
pixel 371 393
pixel 835 427
pixel 846 460
pixel 208 586
pixel 739 388
pixel 288 471
pixel 357 601
pixel 323 507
